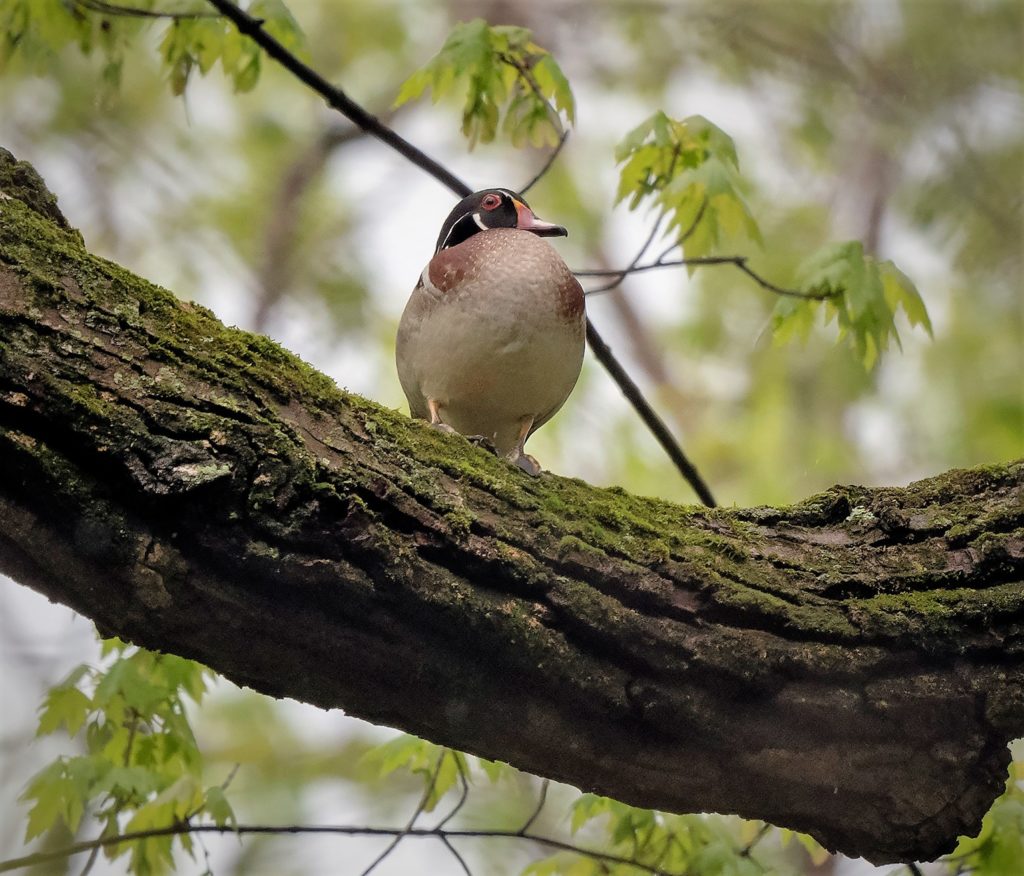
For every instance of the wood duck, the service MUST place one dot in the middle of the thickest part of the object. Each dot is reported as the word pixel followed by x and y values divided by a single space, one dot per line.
pixel 491 341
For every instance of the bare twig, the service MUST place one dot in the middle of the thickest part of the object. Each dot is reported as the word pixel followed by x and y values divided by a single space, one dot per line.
pixel 412 821
pixel 653 422
pixel 462 797
pixel 541 799
pixel 462 862
pixel 632 392
pixel 760 835
pixel 90 862
pixel 547 164
pixel 739 261
pixel 621 275
pixel 182 828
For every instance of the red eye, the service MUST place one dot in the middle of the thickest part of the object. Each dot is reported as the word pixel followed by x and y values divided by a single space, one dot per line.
pixel 490 202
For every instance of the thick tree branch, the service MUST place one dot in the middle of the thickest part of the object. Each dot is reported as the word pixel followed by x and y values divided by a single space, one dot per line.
pixel 850 666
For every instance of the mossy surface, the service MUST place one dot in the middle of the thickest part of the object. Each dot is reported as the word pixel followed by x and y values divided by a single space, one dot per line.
pixel 223 372
pixel 416 580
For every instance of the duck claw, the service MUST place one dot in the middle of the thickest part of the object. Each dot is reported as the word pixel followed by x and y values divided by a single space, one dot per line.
pixel 484 442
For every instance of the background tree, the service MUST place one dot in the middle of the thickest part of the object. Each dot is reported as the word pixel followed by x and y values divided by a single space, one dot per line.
pixel 875 111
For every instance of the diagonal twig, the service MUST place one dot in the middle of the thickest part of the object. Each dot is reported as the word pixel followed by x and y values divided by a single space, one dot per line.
pixel 412 821
pixel 547 164
pixel 462 797
pixel 541 800
pixel 651 419
pixel 462 861
pixel 621 274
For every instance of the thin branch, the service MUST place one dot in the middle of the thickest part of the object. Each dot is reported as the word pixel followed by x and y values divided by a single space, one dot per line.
pixel 524 71
pixel 182 828
pixel 90 862
pixel 621 274
pixel 462 862
pixel 336 98
pixel 547 164
pixel 686 235
pixel 541 799
pixel 556 119
pixel 653 422
pixel 412 821
pixel 462 798
pixel 738 261
pixel 115 9
pixel 231 776
pixel 760 835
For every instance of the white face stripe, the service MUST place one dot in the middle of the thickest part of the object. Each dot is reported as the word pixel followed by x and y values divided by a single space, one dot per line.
pixel 479 222
pixel 512 195
pixel 455 225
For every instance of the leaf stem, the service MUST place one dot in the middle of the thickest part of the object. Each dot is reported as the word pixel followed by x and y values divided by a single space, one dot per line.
pixel 737 260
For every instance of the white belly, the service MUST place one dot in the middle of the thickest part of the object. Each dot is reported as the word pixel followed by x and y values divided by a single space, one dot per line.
pixel 488 375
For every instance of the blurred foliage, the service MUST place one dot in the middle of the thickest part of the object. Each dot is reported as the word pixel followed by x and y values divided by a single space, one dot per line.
pixel 898 123
pixel 503 72
pixel 998 849
pixel 142 768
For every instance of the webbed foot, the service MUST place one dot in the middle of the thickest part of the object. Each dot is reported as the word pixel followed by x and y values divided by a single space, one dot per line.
pixel 526 462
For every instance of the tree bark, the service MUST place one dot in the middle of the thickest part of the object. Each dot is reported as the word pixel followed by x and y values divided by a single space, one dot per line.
pixel 849 666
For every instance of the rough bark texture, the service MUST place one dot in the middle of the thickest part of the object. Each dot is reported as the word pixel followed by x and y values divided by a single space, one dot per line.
pixel 849 666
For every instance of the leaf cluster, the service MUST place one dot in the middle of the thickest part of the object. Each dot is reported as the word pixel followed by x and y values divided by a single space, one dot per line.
pixel 439 767
pixel 198 44
pixel 860 293
pixel 141 769
pixel 504 75
pixel 656 841
pixel 35 31
pixel 689 171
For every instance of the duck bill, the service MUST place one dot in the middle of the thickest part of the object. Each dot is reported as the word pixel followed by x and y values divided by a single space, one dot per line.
pixel 528 222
